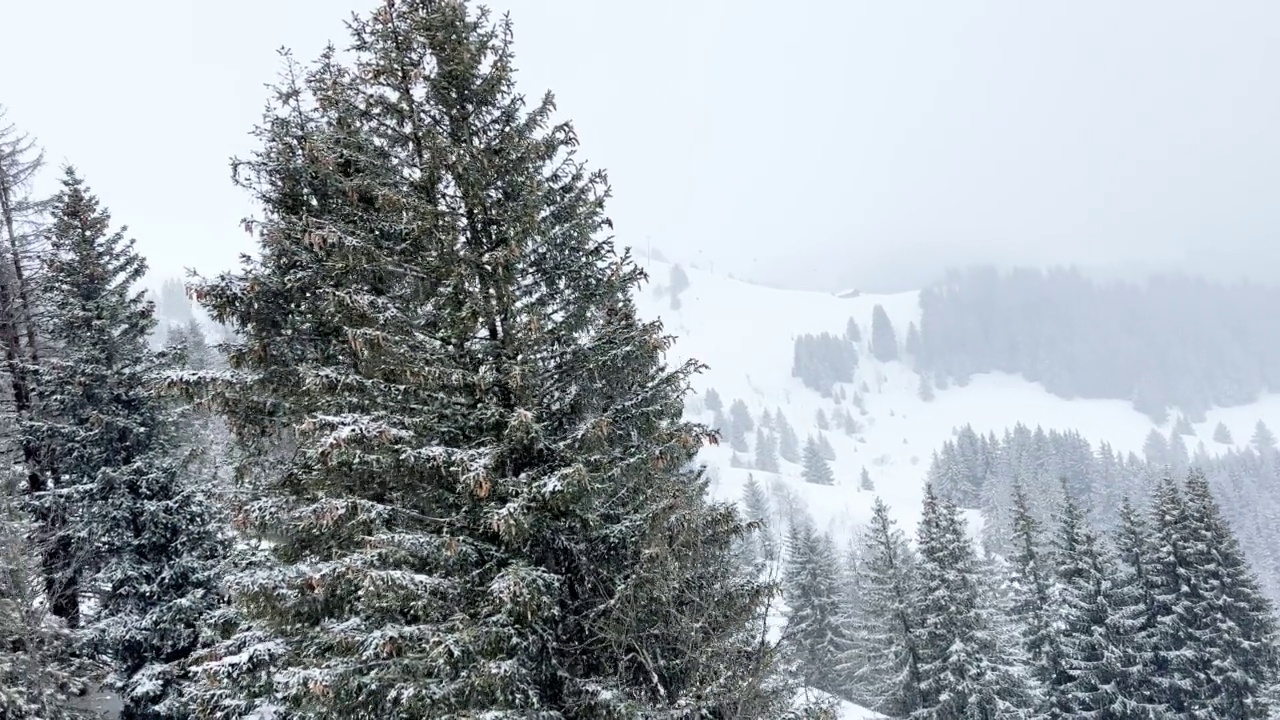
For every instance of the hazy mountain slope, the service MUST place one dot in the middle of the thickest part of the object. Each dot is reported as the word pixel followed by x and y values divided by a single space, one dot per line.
pixel 745 334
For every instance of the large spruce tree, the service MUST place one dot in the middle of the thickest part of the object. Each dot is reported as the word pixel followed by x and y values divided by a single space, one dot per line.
pixel 465 449
pixel 964 672
pixel 142 539
pixel 1037 605
pixel 814 638
pixel 884 633
pixel 1237 626
pixel 1134 615
pixel 1092 634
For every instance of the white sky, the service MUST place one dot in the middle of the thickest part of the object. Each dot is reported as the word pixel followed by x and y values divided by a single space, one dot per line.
pixel 812 142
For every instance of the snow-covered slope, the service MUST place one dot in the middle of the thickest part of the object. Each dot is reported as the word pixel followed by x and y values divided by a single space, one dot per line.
pixel 745 334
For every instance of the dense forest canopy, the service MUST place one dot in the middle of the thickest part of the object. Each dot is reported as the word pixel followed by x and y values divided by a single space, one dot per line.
pixel 1172 342
pixel 980 472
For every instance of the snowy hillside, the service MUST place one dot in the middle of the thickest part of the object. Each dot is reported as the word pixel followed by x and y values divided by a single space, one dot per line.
pixel 745 334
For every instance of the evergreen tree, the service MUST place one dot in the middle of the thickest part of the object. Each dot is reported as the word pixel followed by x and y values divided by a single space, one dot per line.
pixel 41 674
pixel 824 446
pixel 1134 615
pixel 1179 458
pixel 884 342
pixel 1238 627
pixel 711 400
pixel 851 331
pixel 788 441
pixel 1092 633
pixel 1176 679
pixel 1036 604
pixel 821 419
pixel 864 481
pixel 192 345
pixel 740 424
pixel 1156 449
pixel 766 451
pixel 816 470
pixel 1222 435
pixel 821 361
pixel 813 635
pixel 756 509
pixel 963 673
pixel 720 425
pixel 925 389
pixel 1263 439
pixel 147 539
pixel 849 600
pixel 461 440
pixel 885 630
pixel 912 343
pixel 1182 426
pixel 22 229
pixel 173 307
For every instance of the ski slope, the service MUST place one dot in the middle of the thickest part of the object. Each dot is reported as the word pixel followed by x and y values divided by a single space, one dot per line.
pixel 745 334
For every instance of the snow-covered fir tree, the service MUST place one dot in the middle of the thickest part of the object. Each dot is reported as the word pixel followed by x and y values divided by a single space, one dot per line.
pixel 711 401
pixel 1263 440
pixel 850 599
pixel 1175 667
pixel 788 441
pixel 1092 634
pixel 814 638
pixel 851 331
pixel 816 470
pixel 462 443
pixel 1156 449
pixel 1182 426
pixel 925 389
pixel 740 423
pixel 755 508
pixel 887 662
pixel 864 481
pixel 824 445
pixel 1221 434
pixel 912 344
pixel 42 671
pixel 963 671
pixel 146 539
pixel 884 341
pixel 1134 612
pixel 1237 625
pixel 191 344
pixel 766 451
pixel 1037 606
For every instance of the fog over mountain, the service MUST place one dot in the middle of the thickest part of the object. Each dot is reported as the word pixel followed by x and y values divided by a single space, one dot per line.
pixel 825 145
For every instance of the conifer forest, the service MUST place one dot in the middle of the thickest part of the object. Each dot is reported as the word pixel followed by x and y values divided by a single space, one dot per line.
pixel 443 448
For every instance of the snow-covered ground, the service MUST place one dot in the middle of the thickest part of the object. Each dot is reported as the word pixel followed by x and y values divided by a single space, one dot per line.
pixel 745 334
pixel 845 710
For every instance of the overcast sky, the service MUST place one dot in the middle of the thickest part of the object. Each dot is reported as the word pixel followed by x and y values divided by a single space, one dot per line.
pixel 814 142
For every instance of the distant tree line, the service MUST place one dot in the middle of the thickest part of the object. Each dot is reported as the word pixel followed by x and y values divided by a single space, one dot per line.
pixel 1173 341
pixel 821 361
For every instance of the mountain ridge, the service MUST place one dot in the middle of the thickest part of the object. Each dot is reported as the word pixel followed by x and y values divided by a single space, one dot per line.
pixel 745 332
